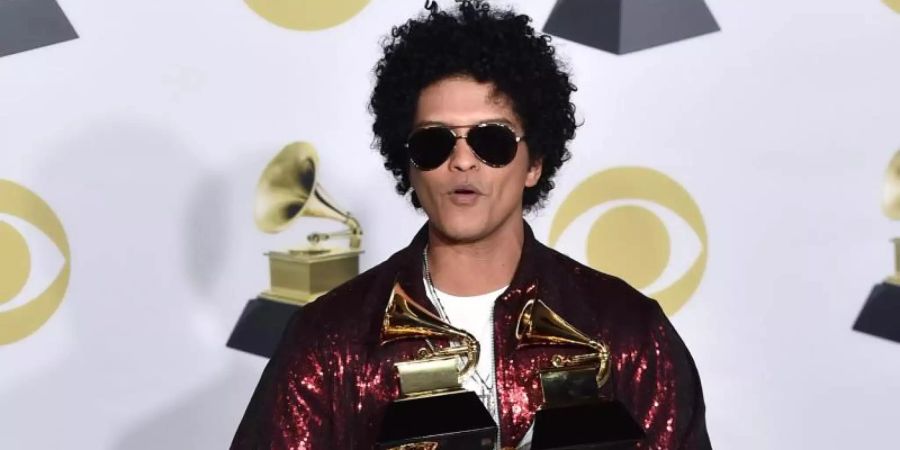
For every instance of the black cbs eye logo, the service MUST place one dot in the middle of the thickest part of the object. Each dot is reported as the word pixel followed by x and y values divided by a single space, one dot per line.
pixel 29 229
pixel 638 224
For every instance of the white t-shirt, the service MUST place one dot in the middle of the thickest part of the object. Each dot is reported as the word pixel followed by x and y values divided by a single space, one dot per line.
pixel 474 315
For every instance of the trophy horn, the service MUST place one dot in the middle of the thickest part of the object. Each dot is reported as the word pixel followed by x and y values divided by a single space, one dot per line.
pixel 540 325
pixel 287 189
pixel 404 318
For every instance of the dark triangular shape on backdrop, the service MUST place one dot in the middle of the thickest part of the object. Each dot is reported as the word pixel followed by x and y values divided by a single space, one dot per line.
pixel 29 24
pixel 625 26
pixel 880 316
pixel 259 329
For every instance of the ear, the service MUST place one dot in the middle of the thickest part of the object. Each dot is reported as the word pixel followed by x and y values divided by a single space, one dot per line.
pixel 534 172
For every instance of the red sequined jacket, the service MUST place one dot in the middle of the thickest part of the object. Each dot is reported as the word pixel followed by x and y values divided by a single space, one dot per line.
pixel 330 380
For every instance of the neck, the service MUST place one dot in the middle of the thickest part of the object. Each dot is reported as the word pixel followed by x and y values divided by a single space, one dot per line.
pixel 466 269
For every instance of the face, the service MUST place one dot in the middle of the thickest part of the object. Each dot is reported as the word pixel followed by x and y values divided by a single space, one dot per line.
pixel 465 199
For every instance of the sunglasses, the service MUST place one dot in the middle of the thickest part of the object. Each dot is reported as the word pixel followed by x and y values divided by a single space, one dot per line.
pixel 495 144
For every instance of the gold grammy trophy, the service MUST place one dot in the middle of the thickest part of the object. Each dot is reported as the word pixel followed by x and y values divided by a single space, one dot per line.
pixel 574 415
pixel 433 412
pixel 288 189
pixel 881 313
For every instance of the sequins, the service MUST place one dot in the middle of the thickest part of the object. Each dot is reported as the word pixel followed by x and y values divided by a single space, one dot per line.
pixel 328 387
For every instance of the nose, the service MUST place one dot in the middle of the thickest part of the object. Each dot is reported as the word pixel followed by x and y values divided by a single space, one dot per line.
pixel 463 158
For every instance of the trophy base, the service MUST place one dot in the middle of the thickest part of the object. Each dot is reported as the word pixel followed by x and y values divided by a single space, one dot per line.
pixel 603 425
pixel 259 329
pixel 301 275
pixel 452 421
pixel 880 316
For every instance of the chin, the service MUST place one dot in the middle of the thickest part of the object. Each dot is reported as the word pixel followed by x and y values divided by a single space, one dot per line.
pixel 463 231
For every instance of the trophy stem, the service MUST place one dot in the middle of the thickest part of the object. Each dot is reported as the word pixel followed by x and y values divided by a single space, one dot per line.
pixel 895 278
pixel 896 242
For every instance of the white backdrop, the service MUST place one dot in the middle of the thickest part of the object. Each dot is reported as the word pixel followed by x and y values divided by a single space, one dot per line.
pixel 147 134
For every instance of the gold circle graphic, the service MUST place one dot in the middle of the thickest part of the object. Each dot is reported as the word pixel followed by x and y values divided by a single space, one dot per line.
pixel 893 4
pixel 630 241
pixel 307 15
pixel 626 241
pixel 18 323
pixel 15 262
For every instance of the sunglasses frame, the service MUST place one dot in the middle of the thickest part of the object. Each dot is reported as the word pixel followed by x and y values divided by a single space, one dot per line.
pixel 518 138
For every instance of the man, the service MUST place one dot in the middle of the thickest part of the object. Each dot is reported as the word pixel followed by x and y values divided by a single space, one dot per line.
pixel 472 115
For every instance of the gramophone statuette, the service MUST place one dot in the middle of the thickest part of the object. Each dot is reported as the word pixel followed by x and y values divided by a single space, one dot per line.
pixel 287 190
pixel 435 370
pixel 881 312
pixel 574 414
pixel 539 325
pixel 433 412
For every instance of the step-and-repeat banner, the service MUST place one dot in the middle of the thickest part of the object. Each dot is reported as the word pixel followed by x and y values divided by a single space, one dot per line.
pixel 734 163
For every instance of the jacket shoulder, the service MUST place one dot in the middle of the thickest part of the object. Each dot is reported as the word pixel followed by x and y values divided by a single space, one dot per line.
pixel 600 290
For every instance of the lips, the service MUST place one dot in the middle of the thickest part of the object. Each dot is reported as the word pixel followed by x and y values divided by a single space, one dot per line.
pixel 464 194
pixel 465 189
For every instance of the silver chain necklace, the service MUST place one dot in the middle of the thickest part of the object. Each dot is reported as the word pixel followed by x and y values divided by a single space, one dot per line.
pixel 487 396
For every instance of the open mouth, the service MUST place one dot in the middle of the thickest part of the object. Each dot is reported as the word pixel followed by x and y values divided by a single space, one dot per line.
pixel 463 195
pixel 465 189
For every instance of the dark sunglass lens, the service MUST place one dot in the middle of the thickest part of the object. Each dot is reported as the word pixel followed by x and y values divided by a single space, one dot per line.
pixel 495 144
pixel 430 147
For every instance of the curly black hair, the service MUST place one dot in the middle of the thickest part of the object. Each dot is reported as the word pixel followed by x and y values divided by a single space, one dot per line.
pixel 488 45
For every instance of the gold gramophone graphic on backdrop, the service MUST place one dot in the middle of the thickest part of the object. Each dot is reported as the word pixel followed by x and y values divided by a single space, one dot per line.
pixel 288 189
pixel 574 414
pixel 890 205
pixel 880 315
pixel 433 411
